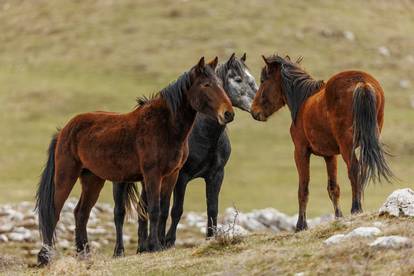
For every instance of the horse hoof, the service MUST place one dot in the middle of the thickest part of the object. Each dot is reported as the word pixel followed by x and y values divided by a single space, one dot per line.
pixel 169 243
pixel 154 247
pixel 356 211
pixel 119 254
pixel 338 214
pixel 43 257
pixel 301 226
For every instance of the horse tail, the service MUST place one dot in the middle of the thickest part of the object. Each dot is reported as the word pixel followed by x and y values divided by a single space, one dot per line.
pixel 133 201
pixel 45 196
pixel 371 162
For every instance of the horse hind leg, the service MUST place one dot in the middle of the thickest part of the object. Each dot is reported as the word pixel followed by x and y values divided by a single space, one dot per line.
pixel 91 187
pixel 119 190
pixel 333 188
pixel 177 208
pixel 67 172
pixel 352 164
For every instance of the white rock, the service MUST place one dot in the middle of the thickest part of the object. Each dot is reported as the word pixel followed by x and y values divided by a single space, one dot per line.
pixel 405 84
pixel 6 228
pixel 399 203
pixel 394 242
pixel 3 238
pixel 65 244
pixel 335 239
pixel 18 237
pixel 384 51
pixel 272 217
pixel 378 224
pixel 95 244
pixel 364 232
pixel 349 35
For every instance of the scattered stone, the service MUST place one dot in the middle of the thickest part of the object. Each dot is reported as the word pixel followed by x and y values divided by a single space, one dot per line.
pixel 335 239
pixel 65 244
pixel 3 238
pixel 384 51
pixel 6 228
pixel 405 84
pixel 392 242
pixel 399 203
pixel 364 232
pixel 349 35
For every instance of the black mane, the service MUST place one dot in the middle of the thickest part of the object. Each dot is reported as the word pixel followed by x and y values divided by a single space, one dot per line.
pixel 296 83
pixel 173 94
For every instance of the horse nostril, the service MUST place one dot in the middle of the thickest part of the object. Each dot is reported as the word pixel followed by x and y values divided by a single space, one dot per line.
pixel 228 116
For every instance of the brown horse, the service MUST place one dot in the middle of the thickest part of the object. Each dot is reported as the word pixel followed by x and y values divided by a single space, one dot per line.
pixel 327 119
pixel 149 144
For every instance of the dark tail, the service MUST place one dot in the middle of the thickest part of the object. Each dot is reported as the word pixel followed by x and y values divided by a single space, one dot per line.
pixel 371 162
pixel 45 196
pixel 132 200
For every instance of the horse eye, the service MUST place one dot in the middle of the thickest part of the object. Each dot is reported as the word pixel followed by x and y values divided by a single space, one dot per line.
pixel 207 84
pixel 238 79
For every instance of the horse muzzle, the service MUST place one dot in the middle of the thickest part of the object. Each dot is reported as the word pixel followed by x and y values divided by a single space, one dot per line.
pixel 259 116
pixel 226 117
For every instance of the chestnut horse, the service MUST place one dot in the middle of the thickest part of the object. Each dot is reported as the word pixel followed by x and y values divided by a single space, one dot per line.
pixel 328 119
pixel 149 143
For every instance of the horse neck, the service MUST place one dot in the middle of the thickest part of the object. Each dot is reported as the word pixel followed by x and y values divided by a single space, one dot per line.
pixel 183 120
pixel 208 129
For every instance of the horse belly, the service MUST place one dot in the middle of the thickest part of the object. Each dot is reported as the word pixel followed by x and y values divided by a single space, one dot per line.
pixel 114 168
pixel 319 135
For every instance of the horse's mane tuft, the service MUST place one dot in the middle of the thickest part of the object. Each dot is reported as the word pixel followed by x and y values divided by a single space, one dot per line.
pixel 297 84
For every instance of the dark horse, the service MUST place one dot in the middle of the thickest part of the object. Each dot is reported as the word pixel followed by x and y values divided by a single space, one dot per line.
pixel 327 119
pixel 149 143
pixel 209 150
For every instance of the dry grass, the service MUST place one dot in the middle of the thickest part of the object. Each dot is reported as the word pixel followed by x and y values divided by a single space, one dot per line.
pixel 259 254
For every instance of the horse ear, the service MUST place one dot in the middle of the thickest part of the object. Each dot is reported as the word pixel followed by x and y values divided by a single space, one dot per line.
pixel 201 63
pixel 299 60
pixel 213 63
pixel 243 58
pixel 231 58
pixel 288 57
pixel 265 60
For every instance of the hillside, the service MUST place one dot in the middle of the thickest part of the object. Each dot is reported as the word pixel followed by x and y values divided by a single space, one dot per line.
pixel 61 58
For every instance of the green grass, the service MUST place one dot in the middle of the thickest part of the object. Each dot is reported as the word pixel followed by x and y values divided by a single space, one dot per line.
pixel 60 58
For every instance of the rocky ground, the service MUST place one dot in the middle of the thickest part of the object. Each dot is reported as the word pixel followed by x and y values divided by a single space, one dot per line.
pixel 380 242
pixel 19 225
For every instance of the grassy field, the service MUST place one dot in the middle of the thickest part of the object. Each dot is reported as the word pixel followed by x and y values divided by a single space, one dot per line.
pixel 61 58
pixel 258 254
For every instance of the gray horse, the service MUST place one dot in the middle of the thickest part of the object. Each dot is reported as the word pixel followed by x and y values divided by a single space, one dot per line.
pixel 209 150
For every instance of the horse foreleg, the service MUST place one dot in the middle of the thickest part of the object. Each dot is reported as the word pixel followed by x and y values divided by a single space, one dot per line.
pixel 213 186
pixel 66 173
pixel 334 191
pixel 153 191
pixel 166 191
pixel 91 188
pixel 177 208
pixel 302 157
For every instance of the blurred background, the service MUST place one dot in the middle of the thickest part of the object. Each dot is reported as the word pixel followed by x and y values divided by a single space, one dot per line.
pixel 61 58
